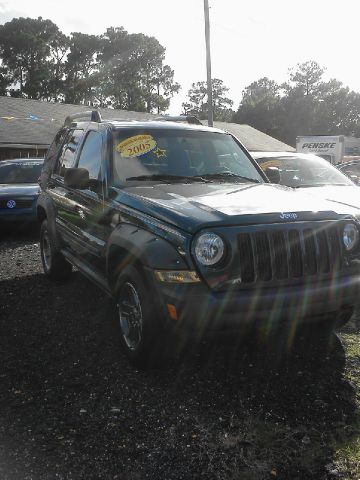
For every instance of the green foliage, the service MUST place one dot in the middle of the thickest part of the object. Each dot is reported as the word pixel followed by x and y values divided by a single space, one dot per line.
pixel 25 52
pixel 198 103
pixel 305 105
pixel 115 69
pixel 307 78
pixel 261 106
pixel 5 80
pixel 133 74
pixel 80 66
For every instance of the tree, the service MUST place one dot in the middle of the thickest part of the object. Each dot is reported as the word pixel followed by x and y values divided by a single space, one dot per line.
pixel 134 76
pixel 116 69
pixel 304 105
pixel 260 106
pixel 25 51
pixel 161 89
pixel 307 78
pixel 5 80
pixel 59 47
pixel 198 103
pixel 338 109
pixel 81 67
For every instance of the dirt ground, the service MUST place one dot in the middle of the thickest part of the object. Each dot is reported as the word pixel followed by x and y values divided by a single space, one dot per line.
pixel 72 407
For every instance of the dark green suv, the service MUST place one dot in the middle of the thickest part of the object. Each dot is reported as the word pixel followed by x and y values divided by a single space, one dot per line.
pixel 179 225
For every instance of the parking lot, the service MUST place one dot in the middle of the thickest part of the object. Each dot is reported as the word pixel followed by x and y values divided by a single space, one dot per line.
pixel 72 407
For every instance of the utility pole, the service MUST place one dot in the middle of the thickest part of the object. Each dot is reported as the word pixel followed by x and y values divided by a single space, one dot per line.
pixel 208 63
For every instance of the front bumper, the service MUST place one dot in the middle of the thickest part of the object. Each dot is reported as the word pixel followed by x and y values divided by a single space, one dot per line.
pixel 18 214
pixel 199 308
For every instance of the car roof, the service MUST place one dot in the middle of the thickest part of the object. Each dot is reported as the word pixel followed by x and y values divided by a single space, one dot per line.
pixel 21 160
pixel 283 155
pixel 156 125
pixel 17 160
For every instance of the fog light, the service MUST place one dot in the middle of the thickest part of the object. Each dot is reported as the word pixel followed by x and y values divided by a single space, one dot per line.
pixel 350 236
pixel 175 276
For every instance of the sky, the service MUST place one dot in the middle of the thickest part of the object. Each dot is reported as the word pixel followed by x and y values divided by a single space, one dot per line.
pixel 249 39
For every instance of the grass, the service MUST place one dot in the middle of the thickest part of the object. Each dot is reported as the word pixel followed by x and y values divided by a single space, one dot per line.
pixel 347 450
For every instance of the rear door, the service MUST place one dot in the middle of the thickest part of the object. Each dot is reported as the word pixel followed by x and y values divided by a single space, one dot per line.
pixel 63 198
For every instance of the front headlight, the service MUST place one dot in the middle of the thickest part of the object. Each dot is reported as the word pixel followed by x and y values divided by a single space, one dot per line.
pixel 209 249
pixel 350 236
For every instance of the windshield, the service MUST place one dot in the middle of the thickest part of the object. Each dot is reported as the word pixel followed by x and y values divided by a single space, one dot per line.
pixel 20 172
pixel 180 156
pixel 301 171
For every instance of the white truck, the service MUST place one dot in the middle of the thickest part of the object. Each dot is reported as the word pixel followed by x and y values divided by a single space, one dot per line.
pixel 332 148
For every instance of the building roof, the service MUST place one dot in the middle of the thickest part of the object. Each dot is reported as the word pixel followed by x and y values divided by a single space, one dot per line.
pixel 34 122
pixel 253 139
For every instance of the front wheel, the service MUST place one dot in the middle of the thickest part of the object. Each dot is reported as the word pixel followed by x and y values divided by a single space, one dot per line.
pixel 141 327
pixel 54 264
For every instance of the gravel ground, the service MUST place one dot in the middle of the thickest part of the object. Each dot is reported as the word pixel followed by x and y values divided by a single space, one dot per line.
pixel 72 407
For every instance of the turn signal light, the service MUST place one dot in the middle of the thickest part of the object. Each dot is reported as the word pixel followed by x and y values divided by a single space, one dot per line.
pixel 172 311
pixel 174 276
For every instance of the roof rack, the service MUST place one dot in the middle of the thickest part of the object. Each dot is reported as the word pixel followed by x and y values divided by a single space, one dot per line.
pixel 90 115
pixel 180 118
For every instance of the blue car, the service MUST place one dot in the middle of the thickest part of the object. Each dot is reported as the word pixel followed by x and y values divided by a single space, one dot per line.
pixel 19 189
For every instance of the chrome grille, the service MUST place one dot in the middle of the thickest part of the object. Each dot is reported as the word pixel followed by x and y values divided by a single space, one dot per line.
pixel 288 254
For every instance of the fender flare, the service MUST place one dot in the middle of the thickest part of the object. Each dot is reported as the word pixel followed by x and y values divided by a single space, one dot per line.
pixel 45 210
pixel 128 242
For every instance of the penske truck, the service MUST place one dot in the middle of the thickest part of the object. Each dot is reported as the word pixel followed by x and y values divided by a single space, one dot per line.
pixel 335 149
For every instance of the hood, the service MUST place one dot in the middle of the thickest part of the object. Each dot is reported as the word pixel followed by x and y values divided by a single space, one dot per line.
pixel 19 189
pixel 198 205
pixel 348 195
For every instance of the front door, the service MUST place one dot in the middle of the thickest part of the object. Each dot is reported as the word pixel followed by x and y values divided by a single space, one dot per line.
pixel 88 205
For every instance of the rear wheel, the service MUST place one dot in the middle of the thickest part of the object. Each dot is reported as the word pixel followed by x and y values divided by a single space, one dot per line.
pixel 54 264
pixel 141 326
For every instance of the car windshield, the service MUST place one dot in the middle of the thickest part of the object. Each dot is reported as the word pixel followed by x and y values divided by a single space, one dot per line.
pixel 174 155
pixel 20 172
pixel 300 171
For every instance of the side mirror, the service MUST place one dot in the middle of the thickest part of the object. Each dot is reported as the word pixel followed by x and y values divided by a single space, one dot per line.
pixel 273 174
pixel 76 178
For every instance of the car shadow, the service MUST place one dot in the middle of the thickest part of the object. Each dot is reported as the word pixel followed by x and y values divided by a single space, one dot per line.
pixel 71 402
pixel 19 234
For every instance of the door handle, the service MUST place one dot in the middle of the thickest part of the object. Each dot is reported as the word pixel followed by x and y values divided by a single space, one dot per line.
pixel 80 212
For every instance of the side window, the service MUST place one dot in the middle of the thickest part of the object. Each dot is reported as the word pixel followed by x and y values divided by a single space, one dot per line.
pixel 68 153
pixel 54 149
pixel 91 154
pixel 51 157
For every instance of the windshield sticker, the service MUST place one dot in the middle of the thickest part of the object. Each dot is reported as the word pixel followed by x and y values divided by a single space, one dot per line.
pixel 270 163
pixel 160 152
pixel 136 146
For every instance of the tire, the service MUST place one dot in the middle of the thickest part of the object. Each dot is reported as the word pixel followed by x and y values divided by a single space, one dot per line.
pixel 141 328
pixel 54 264
pixel 333 323
pixel 323 334
pixel 343 317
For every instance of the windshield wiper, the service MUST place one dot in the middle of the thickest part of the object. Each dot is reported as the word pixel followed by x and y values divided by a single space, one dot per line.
pixel 226 176
pixel 207 177
pixel 167 178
